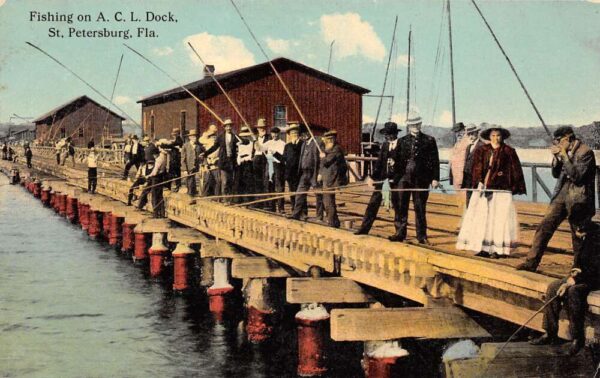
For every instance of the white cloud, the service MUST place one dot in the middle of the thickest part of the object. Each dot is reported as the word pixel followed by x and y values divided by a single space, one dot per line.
pixel 2 2
pixel 399 118
pixel 367 119
pixel 162 51
pixel 123 100
pixel 403 60
pixel 226 53
pixel 445 119
pixel 352 36
pixel 278 46
pixel 594 1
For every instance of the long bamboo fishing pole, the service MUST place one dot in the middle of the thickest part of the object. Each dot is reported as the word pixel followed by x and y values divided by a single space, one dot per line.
pixel 83 81
pixel 178 84
pixel 285 87
pixel 512 68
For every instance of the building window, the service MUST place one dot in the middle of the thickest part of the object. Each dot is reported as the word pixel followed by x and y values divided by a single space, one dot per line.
pixel 279 116
pixel 63 132
pixel 182 122
pixel 81 132
pixel 152 126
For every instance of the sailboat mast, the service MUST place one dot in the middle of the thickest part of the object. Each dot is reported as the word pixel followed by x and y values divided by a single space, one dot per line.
pixel 408 77
pixel 451 63
pixel 387 69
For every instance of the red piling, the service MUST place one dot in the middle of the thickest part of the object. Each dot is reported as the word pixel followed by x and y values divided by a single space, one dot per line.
pixel 128 238
pixel 158 253
pixel 62 204
pixel 45 197
pixel 258 328
pixel 72 213
pixel 115 230
pixel 311 342
pixel 140 249
pixel 182 256
pixel 94 224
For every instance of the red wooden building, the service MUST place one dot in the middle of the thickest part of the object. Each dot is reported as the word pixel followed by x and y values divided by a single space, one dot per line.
pixel 82 119
pixel 327 102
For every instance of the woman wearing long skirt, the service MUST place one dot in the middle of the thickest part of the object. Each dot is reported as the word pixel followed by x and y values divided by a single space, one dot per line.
pixel 490 225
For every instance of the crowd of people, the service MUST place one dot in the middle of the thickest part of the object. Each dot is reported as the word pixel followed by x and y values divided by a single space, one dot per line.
pixel 254 167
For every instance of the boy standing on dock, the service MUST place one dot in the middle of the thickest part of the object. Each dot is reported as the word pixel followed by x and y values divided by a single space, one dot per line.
pixel 92 164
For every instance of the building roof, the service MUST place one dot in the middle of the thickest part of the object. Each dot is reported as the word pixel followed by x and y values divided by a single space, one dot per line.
pixel 68 107
pixel 206 86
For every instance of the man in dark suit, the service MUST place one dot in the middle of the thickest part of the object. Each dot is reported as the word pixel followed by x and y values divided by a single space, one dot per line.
pixel 259 162
pixel 333 173
pixel 291 159
pixel 174 168
pixel 383 169
pixel 418 167
pixel 227 144
pixel 574 166
pixel 308 171
pixel 573 290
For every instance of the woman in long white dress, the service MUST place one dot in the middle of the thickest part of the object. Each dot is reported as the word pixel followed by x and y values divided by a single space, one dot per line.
pixel 489 226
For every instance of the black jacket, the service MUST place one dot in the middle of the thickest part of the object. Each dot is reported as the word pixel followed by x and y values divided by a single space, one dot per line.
pixel 381 168
pixel 226 163
pixel 333 168
pixel 426 157
pixel 588 258
pixel 291 158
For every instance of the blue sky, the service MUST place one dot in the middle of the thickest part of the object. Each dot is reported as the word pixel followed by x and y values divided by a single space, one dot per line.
pixel 555 47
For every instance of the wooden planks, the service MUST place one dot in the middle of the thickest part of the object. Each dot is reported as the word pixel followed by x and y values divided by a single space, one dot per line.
pixel 522 360
pixel 257 267
pixel 372 324
pixel 325 290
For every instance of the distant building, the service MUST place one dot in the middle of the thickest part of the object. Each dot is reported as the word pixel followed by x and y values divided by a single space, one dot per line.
pixel 18 134
pixel 82 119
pixel 326 101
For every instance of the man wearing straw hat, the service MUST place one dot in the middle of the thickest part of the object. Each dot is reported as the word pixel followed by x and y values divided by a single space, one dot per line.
pixel 227 144
pixel 418 167
pixel 190 161
pixel 308 170
pixel 245 174
pixel 383 170
pixel 211 182
pixel 291 159
pixel 333 173
pixel 259 161
pixel 174 162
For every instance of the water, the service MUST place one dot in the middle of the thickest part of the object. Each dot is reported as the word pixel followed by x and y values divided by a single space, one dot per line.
pixel 72 307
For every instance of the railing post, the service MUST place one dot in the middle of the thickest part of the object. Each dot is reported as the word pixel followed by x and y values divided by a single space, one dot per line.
pixel 534 183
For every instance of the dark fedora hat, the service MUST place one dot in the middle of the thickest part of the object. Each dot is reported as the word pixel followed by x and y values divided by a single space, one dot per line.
pixel 458 126
pixel 389 128
pixel 485 134
pixel 563 131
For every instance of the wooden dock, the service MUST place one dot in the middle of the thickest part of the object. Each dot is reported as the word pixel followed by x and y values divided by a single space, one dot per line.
pixel 442 279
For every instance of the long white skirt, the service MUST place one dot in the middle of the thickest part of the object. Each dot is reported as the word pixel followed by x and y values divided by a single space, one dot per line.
pixel 489 225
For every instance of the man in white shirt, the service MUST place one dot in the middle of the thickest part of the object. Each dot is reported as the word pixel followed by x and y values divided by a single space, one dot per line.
pixel 259 162
pixel 276 168
pixel 244 177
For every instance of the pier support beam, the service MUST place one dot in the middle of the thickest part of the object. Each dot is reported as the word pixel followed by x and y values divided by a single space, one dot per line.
pixel 380 358
pixel 54 200
pixel 182 260
pixel 158 252
pixel 71 209
pixel 62 204
pixel 128 238
pixel 105 225
pixel 115 225
pixel 84 217
pixel 45 197
pixel 95 219
pixel 221 288
pixel 259 309
pixel 37 189
pixel 312 320
pixel 140 253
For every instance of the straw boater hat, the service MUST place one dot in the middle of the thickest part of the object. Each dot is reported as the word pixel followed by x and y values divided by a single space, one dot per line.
pixel 245 132
pixel 212 130
pixel 227 122
pixel 330 134
pixel 413 119
pixel 471 128
pixel 175 131
pixel 261 123
pixel 192 132
pixel 485 134
pixel 292 126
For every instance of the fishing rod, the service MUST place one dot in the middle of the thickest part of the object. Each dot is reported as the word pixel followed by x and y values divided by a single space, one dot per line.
pixel 178 84
pixel 513 69
pixel 517 331
pixel 387 69
pixel 82 80
pixel 451 63
pixel 285 87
